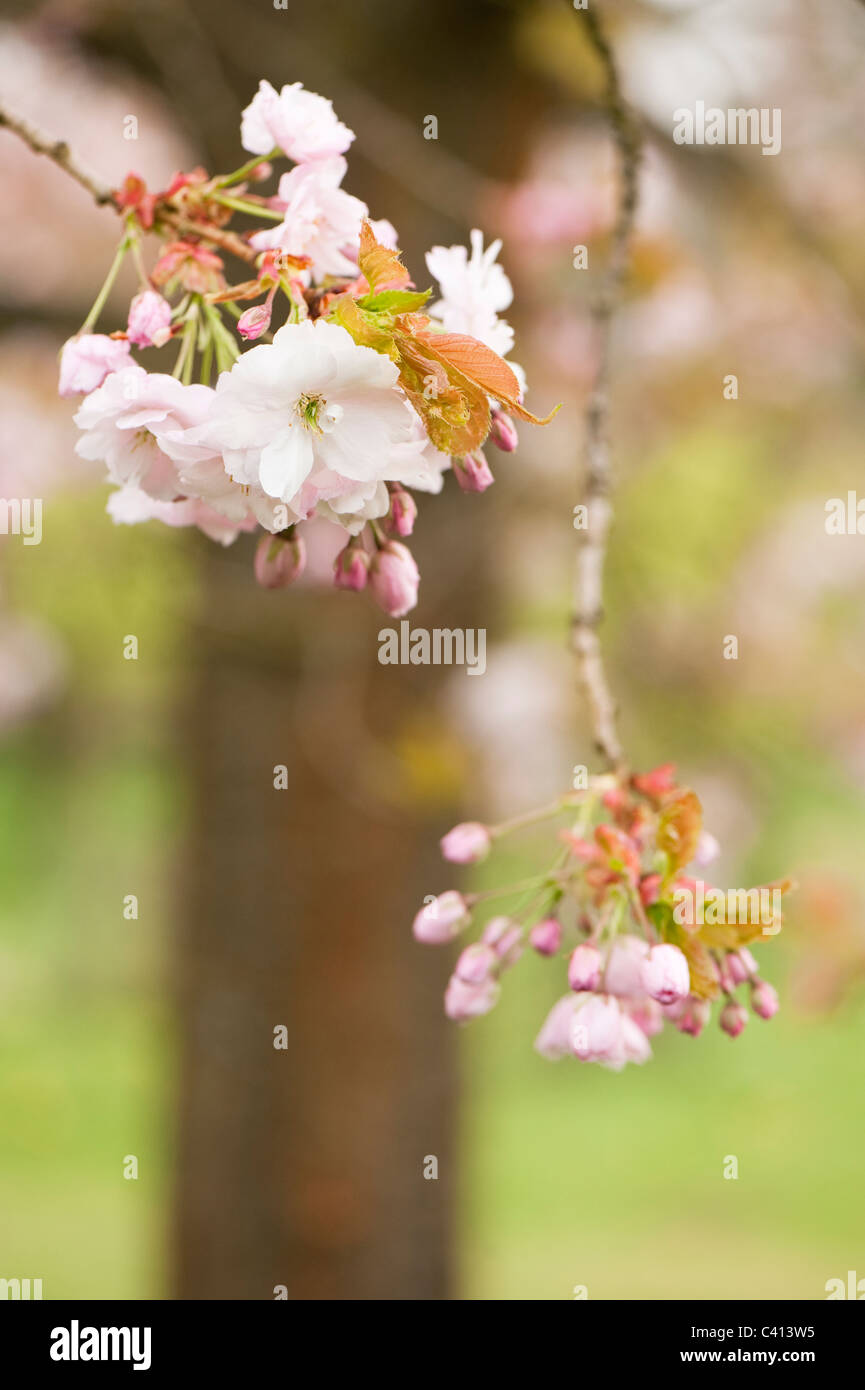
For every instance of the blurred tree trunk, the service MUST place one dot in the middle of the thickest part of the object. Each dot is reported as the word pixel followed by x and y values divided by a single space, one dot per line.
pixel 303 1167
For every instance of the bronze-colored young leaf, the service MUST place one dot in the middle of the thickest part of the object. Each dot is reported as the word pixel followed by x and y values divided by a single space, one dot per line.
pixel 679 829
pixel 379 265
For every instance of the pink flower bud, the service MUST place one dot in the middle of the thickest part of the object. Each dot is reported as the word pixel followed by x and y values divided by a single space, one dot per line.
pixel 255 321
pixel 467 843
pixel 402 515
pixel 464 1001
pixel 554 1039
pixel 741 965
pixel 733 1018
pixel 622 975
pixel 442 919
pixel 596 1030
pixel 394 579
pixel 650 889
pixel 261 172
pixel 503 432
pixel 86 361
pixel 149 323
pixel 476 963
pixel 546 936
pixel 279 560
pixel 496 929
pixel 635 1041
pixel 689 1015
pixel 584 968
pixel 707 850
pixel 665 975
pixel 764 999
pixel 473 472
pixel 647 1015
pixel 351 567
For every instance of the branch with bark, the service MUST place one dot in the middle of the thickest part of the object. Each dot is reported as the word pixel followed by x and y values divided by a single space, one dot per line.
pixel 591 554
pixel 59 153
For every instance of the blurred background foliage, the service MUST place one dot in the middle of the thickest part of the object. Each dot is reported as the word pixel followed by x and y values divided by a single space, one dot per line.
pixel 743 264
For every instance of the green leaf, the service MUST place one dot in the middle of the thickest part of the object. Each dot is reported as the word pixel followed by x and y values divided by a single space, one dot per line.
pixel 366 328
pixel 395 301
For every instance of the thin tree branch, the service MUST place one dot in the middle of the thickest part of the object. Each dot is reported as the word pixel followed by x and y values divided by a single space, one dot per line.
pixel 591 553
pixel 58 151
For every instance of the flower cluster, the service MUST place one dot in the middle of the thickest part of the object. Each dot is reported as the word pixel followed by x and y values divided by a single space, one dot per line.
pixel 352 396
pixel 610 905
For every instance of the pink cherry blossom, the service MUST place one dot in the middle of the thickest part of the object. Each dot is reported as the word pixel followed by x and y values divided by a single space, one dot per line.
pixel 130 422
pixel 301 123
pixel 129 506
pixel 320 220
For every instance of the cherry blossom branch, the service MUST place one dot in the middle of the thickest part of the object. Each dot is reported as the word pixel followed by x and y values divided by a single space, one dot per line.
pixel 591 553
pixel 58 151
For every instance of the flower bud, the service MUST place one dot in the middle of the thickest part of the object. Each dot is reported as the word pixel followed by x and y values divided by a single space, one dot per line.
pixel 741 965
pixel 596 1031
pixel 473 472
pixel 546 936
pixel 623 972
pixel 496 929
pixel 503 432
pixel 149 323
pixel 87 360
pixel 401 518
pixel 351 567
pixel 255 321
pixel 442 919
pixel 733 1018
pixel 279 560
pixel 707 849
pixel 650 889
pixel 584 968
pixel 689 1015
pixel 665 975
pixel 554 1039
pixel 764 999
pixel 465 1001
pixel 476 963
pixel 467 843
pixel 394 579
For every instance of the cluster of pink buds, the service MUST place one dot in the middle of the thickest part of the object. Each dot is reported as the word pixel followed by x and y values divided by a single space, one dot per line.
pixel 337 388
pixel 617 907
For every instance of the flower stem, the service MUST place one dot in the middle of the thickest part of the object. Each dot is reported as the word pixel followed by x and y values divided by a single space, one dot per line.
pixel 242 205
pixel 247 168
pixel 99 303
